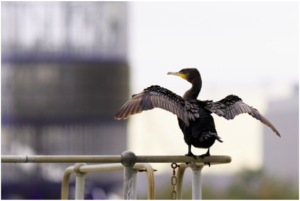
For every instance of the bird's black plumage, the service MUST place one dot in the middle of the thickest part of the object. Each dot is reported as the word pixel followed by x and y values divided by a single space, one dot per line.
pixel 194 116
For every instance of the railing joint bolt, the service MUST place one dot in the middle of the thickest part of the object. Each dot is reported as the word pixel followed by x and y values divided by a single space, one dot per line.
pixel 128 158
pixel 77 168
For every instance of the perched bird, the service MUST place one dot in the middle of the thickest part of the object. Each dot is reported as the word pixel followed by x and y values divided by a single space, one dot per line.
pixel 194 116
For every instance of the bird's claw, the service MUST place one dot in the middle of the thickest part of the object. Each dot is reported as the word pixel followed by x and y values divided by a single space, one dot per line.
pixel 191 154
pixel 203 156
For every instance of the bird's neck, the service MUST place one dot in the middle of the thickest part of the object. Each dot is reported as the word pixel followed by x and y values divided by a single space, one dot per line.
pixel 193 92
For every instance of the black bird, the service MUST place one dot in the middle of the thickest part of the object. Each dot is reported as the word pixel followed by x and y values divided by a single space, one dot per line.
pixel 194 116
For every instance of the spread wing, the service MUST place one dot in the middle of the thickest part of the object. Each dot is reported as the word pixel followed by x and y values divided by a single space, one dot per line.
pixel 232 106
pixel 158 97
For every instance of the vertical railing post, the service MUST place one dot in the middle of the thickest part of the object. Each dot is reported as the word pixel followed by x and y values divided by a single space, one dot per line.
pixel 180 174
pixel 129 183
pixel 65 183
pixel 196 181
pixel 79 186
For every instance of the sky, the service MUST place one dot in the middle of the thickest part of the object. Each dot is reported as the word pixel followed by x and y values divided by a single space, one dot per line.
pixel 249 49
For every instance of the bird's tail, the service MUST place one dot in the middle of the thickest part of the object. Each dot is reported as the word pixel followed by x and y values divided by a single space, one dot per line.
pixel 214 134
pixel 218 138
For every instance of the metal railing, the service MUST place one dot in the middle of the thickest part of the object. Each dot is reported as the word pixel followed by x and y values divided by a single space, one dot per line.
pixel 131 165
pixel 80 169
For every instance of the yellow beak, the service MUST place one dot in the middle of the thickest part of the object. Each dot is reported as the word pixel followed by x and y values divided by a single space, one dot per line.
pixel 177 74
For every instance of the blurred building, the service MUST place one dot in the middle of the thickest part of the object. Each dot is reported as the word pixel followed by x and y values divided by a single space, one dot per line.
pixel 64 75
pixel 281 155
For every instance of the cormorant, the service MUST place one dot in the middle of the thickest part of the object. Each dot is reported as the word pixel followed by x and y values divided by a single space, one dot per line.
pixel 194 116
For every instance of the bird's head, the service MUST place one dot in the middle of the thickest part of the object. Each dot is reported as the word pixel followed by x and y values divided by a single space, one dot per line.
pixel 189 74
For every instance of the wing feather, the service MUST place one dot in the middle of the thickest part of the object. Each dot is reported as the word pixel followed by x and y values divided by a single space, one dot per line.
pixel 123 113
pixel 135 107
pixel 158 97
pixel 232 106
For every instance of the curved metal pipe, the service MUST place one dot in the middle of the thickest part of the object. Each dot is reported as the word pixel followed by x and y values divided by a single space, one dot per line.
pixel 108 167
pixel 180 174
pixel 65 183
pixel 150 177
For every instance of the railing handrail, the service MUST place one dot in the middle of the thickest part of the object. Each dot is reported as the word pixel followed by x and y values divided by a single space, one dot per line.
pixel 128 160
pixel 110 159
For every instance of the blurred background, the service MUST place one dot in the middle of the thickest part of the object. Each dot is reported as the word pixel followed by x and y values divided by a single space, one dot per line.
pixel 67 67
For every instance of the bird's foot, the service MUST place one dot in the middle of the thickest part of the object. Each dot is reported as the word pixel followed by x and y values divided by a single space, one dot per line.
pixel 205 155
pixel 190 154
